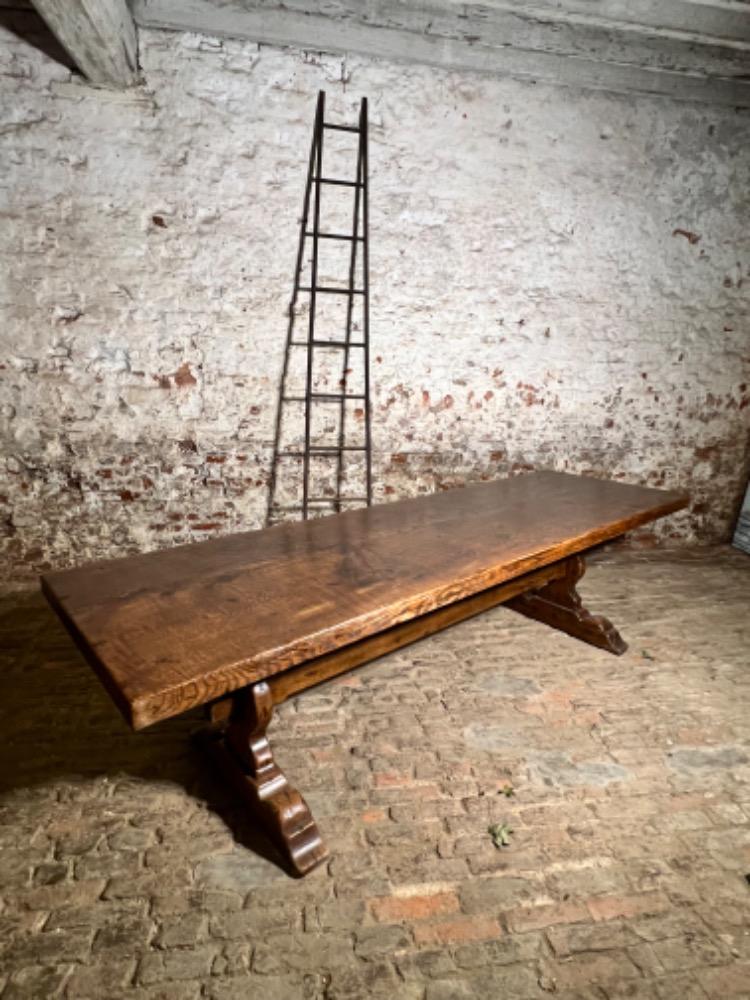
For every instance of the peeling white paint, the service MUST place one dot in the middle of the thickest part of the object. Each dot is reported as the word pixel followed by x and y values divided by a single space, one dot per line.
pixel 559 279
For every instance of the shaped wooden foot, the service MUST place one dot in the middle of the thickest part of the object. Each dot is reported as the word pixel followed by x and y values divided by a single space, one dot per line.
pixel 559 604
pixel 243 751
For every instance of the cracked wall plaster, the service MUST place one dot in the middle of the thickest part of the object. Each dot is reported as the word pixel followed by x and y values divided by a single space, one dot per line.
pixel 559 280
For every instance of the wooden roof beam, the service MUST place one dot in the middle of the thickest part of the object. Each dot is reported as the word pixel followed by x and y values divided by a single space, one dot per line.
pixel 98 35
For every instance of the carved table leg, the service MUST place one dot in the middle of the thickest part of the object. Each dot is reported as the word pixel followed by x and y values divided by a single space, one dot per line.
pixel 242 749
pixel 558 604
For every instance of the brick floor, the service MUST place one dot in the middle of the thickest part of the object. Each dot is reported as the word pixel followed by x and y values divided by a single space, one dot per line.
pixel 126 871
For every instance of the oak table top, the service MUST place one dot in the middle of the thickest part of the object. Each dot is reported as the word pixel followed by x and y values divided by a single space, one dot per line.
pixel 169 630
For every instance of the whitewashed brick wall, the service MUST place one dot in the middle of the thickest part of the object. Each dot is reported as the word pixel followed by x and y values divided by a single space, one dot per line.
pixel 557 282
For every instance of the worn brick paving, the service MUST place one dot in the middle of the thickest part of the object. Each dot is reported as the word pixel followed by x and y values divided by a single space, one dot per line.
pixel 126 871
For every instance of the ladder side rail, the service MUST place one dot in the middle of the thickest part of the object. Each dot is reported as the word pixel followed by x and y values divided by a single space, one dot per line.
pixel 348 336
pixel 290 328
pixel 313 285
pixel 363 124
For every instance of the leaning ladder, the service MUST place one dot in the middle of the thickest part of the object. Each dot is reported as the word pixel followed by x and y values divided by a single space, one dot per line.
pixel 352 351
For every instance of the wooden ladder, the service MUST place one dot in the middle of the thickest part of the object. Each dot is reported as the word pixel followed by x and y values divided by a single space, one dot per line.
pixel 350 420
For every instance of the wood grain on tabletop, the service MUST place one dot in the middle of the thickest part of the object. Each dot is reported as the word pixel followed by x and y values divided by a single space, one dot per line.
pixel 172 629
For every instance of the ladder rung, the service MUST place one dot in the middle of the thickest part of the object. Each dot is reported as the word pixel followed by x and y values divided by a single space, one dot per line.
pixel 325 343
pixel 299 506
pixel 336 236
pixel 339 183
pixel 326 289
pixel 321 451
pixel 335 395
pixel 340 128
pixel 326 396
pixel 334 451
pixel 337 499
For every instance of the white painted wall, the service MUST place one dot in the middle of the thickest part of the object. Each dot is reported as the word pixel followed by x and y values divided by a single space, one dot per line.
pixel 687 49
pixel 535 303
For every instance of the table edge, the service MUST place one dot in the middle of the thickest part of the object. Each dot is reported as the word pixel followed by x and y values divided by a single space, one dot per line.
pixel 145 710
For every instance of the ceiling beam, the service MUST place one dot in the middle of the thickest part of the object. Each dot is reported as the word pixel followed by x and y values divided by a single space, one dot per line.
pixel 705 21
pixel 576 43
pixel 98 35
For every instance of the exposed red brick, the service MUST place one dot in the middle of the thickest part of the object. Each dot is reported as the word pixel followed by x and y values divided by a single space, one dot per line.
pixel 392 909
pixel 612 907
pixel 459 930
pixel 390 779
pixel 374 815
pixel 183 377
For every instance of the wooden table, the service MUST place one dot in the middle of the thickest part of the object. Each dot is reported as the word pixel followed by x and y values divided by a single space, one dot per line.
pixel 262 615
